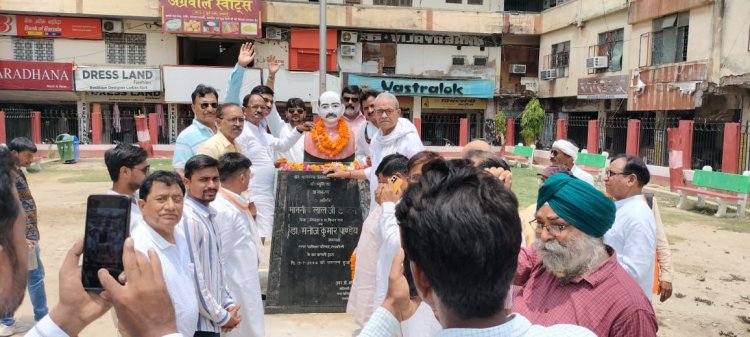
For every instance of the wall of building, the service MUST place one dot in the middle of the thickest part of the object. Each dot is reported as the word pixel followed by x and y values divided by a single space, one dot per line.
pixel 570 13
pixel 436 61
pixel 735 51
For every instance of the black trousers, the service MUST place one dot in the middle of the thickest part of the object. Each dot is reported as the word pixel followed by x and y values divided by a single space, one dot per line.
pixel 206 334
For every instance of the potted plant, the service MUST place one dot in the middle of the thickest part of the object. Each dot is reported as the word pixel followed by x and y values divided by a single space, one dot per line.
pixel 532 121
pixel 500 127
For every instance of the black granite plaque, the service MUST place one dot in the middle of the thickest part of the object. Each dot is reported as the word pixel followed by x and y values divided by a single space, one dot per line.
pixel 316 228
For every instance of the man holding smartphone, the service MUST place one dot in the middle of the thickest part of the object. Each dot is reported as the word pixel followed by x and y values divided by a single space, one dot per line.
pixel 218 311
pixel 22 150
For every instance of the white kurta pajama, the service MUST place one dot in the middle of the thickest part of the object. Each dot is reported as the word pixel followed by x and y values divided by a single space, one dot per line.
pixel 258 145
pixel 240 252
pixel 361 303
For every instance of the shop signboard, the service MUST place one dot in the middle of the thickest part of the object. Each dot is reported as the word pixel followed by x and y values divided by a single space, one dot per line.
pixel 118 79
pixel 606 87
pixel 454 103
pixel 212 17
pixel 477 88
pixel 28 75
pixel 51 27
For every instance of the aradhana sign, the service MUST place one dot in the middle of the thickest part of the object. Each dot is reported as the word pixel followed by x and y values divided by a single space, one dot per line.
pixel 426 87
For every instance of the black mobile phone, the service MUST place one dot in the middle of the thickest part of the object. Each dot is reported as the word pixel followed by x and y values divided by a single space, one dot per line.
pixel 107 227
pixel 409 278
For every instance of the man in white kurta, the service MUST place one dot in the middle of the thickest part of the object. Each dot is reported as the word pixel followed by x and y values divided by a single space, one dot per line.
pixel 367 132
pixel 240 244
pixel 564 152
pixel 283 130
pixel 633 235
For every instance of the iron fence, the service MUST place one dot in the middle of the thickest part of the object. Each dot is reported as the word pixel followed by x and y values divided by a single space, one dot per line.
pixel 745 146
pixel 490 132
pixel 119 128
pixel 17 123
pixel 548 132
pixel 578 130
pixel 441 129
pixel 653 139
pixel 613 133
pixel 59 120
pixel 708 143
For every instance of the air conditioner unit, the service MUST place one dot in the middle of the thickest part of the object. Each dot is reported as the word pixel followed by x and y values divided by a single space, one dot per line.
pixel 598 62
pixel 518 69
pixel 548 74
pixel 348 50
pixel 112 26
pixel 348 37
pixel 273 33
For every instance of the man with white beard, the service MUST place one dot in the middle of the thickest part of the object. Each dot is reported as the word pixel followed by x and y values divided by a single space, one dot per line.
pixel 569 276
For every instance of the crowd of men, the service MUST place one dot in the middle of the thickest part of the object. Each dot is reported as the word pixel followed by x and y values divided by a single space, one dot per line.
pixel 583 264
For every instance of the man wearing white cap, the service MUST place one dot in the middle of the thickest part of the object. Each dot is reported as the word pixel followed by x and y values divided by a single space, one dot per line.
pixel 564 152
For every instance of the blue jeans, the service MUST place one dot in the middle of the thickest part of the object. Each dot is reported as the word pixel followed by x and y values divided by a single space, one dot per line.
pixel 36 292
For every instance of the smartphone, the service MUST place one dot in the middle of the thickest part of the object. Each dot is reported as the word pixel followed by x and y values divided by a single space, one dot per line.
pixel 409 278
pixel 107 227
pixel 395 183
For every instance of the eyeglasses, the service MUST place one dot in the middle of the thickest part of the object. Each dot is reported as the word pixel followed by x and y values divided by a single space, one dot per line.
pixel 351 99
pixel 206 105
pixel 552 229
pixel 609 174
pixel 296 111
pixel 384 111
pixel 144 169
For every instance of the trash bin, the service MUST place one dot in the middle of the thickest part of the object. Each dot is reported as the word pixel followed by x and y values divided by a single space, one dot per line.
pixel 65 148
pixel 76 152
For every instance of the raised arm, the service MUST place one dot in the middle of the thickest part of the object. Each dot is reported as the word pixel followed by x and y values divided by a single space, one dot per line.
pixel 244 59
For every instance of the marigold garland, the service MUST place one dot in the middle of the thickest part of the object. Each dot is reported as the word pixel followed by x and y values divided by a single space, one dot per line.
pixel 355 165
pixel 324 144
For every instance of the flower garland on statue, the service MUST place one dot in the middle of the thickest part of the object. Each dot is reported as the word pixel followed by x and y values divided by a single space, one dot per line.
pixel 286 166
pixel 324 144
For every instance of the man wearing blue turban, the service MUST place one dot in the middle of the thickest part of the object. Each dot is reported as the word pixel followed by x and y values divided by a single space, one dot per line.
pixel 569 276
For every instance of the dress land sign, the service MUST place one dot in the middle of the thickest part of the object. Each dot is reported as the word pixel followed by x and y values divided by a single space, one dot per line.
pixel 316 228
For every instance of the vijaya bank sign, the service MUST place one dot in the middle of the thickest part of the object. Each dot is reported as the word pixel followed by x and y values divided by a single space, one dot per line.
pixel 27 75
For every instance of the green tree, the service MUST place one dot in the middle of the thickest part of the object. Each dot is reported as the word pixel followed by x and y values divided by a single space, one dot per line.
pixel 532 121
pixel 499 120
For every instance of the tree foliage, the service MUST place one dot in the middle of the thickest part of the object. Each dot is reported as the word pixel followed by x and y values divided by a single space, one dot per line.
pixel 532 121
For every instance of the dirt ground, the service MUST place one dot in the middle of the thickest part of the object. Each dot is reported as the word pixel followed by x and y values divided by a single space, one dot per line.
pixel 711 258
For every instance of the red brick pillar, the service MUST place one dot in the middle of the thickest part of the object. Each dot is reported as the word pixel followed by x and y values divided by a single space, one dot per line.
pixel 592 145
pixel 463 132
pixel 730 159
pixel 96 123
pixel 562 129
pixel 3 140
pixel 634 137
pixel 686 134
pixel 510 131
pixel 418 125
pixel 153 128
pixel 36 127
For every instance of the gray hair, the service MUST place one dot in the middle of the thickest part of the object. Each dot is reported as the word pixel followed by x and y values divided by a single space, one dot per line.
pixel 388 95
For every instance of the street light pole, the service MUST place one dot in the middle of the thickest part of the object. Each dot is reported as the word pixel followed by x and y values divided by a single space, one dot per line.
pixel 322 47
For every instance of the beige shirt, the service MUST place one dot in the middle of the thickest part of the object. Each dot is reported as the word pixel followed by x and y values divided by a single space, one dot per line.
pixel 218 145
pixel 663 253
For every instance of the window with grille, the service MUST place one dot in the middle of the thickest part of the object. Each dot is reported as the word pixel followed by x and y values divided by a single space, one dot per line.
pixel 475 2
pixel 399 3
pixel 125 48
pixel 552 3
pixel 560 58
pixel 459 60
pixel 669 39
pixel 480 60
pixel 33 49
pixel 611 45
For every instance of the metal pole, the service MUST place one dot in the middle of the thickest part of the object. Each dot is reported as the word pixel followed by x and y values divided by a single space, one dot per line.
pixel 322 47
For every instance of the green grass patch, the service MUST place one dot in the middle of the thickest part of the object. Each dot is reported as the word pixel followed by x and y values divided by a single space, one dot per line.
pixel 86 177
pixel 161 164
pixel 525 186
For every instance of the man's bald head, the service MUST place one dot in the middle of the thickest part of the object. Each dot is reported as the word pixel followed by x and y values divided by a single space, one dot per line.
pixel 475 145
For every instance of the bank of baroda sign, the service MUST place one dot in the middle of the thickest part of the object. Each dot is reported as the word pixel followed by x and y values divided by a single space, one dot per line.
pixel 118 79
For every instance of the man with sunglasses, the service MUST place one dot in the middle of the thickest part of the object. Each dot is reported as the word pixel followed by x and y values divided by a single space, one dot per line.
pixel 564 152
pixel 128 167
pixel 569 275
pixel 350 96
pixel 633 234
pixel 231 121
pixel 205 106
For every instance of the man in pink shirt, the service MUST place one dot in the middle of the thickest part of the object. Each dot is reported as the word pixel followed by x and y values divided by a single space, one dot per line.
pixel 569 276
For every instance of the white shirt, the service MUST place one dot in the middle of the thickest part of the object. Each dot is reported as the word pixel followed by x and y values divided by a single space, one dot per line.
pixel 136 217
pixel 177 271
pixel 383 324
pixel 583 175
pixel 258 145
pixel 362 149
pixel 47 328
pixel 240 247
pixel 282 130
pixel 205 247
pixel 633 236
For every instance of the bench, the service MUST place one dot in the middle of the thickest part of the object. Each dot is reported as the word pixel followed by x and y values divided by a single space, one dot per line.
pixel 593 163
pixel 725 187
pixel 522 154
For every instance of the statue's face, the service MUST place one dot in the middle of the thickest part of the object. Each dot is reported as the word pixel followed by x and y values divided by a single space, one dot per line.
pixel 330 109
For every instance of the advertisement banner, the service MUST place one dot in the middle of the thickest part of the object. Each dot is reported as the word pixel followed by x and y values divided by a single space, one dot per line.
pixel 454 103
pixel 27 75
pixel 606 87
pixel 118 79
pixel 426 87
pixel 212 17
pixel 51 27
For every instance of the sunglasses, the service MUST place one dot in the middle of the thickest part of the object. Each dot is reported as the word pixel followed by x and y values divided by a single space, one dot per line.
pixel 351 99
pixel 296 111
pixel 206 105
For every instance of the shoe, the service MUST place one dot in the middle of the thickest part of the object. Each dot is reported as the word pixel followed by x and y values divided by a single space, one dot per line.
pixel 17 327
